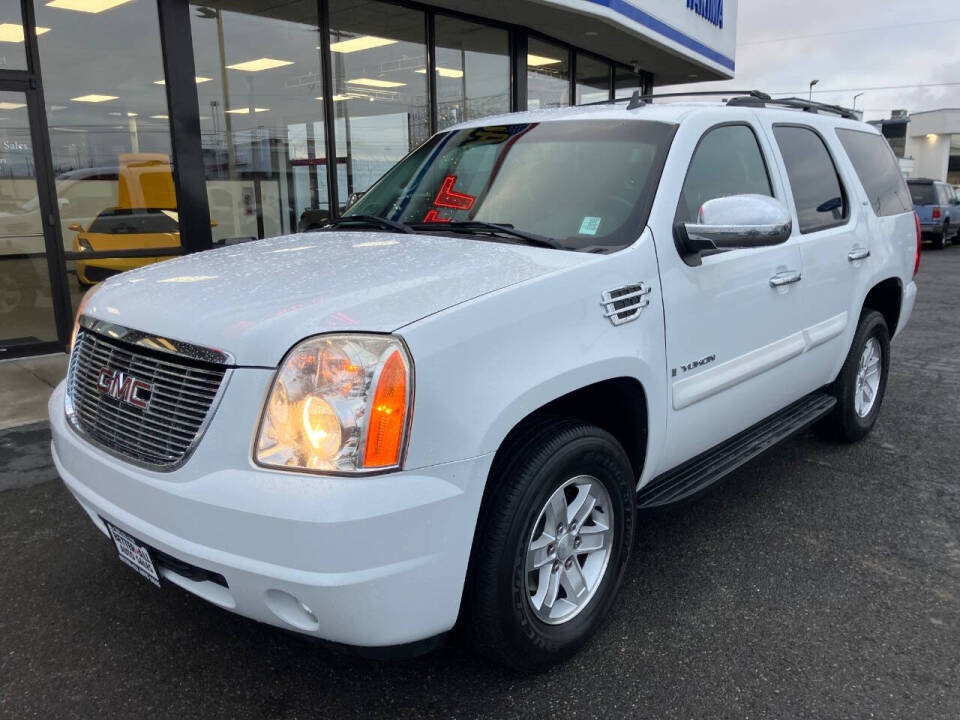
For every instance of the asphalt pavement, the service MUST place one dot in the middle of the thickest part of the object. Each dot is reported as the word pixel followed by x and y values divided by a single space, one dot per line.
pixel 820 581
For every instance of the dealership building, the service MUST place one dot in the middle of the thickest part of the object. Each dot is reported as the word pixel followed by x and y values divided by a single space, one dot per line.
pixel 133 130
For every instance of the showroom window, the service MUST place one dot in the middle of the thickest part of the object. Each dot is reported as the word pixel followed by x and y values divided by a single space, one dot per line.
pixel 473 70
pixel 626 81
pixel 548 75
pixel 109 132
pixel 378 55
pixel 259 88
pixel 593 80
pixel 12 51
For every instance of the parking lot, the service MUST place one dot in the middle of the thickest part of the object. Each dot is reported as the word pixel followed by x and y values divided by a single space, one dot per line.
pixel 820 581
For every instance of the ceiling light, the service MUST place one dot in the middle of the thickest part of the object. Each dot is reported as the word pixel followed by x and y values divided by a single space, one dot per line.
pixel 539 60
pixel 364 42
pixel 94 98
pixel 87 6
pixel 11 105
pixel 159 117
pixel 13 32
pixel 443 72
pixel 259 64
pixel 246 111
pixel 340 97
pixel 373 82
pixel 198 79
pixel 131 114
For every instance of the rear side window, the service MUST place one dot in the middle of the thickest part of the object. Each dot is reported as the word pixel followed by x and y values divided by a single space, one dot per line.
pixel 817 192
pixel 923 194
pixel 727 161
pixel 878 171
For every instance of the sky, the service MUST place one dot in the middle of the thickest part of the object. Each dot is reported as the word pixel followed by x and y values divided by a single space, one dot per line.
pixel 899 53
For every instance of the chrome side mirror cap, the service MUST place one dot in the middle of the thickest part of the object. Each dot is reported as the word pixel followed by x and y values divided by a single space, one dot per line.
pixel 738 221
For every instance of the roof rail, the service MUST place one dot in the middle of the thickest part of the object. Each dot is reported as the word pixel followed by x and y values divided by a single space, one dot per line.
pixel 741 98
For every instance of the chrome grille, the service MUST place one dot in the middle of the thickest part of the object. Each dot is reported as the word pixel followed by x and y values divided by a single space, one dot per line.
pixel 160 422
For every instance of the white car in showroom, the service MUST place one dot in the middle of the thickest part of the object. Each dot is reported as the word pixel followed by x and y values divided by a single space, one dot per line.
pixel 450 405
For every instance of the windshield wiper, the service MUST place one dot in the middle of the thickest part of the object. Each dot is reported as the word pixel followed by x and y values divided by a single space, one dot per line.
pixel 479 226
pixel 368 221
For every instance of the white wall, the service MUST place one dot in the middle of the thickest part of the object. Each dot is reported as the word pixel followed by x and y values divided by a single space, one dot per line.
pixel 930 153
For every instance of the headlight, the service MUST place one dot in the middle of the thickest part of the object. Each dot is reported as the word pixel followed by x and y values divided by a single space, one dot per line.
pixel 84 245
pixel 80 308
pixel 339 403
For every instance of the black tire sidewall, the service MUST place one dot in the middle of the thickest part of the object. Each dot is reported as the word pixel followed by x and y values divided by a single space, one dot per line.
pixel 872 325
pixel 526 642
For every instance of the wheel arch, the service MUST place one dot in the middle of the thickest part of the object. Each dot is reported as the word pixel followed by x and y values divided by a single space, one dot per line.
pixel 886 297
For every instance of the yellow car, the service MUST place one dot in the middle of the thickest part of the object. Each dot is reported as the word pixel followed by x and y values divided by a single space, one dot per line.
pixel 124 229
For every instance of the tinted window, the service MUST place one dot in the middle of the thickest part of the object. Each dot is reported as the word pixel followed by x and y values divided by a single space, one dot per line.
pixel 135 221
pixel 727 161
pixel 589 183
pixel 878 171
pixel 923 194
pixel 945 193
pixel 816 188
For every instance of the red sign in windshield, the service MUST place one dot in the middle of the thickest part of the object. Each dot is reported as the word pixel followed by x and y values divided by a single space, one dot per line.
pixel 447 197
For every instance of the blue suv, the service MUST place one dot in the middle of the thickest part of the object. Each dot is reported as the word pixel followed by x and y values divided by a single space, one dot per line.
pixel 938 209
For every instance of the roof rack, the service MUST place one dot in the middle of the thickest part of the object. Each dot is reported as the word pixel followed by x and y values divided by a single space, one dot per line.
pixel 741 98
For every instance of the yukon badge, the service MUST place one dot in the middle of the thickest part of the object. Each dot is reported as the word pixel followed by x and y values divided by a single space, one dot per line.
pixel 694 365
pixel 125 388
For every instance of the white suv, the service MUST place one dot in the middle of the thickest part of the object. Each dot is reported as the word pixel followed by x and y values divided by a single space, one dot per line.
pixel 451 403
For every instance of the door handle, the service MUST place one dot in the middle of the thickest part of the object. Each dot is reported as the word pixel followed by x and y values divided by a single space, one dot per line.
pixel 785 277
pixel 858 254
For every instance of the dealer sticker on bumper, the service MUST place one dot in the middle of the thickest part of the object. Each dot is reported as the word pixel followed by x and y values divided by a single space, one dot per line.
pixel 134 554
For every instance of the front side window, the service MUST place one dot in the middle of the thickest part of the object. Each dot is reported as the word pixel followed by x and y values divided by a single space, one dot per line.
pixel 587 184
pixel 817 192
pixel 877 168
pixel 727 161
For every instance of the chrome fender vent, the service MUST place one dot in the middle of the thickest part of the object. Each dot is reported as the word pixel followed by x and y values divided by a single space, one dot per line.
pixel 624 304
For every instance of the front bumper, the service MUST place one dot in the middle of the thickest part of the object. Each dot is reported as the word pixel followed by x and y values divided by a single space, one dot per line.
pixel 372 561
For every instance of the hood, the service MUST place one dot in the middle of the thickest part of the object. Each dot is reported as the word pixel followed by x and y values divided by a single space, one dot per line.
pixel 255 300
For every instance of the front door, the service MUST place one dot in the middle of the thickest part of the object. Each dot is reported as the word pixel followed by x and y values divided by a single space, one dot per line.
pixel 32 296
pixel 732 330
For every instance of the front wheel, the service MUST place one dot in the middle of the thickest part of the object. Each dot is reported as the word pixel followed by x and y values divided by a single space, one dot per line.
pixel 551 547
pixel 862 382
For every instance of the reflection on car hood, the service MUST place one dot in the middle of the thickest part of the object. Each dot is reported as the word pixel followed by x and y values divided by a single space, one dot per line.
pixel 257 299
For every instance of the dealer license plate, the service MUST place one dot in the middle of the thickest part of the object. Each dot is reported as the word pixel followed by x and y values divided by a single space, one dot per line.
pixel 135 554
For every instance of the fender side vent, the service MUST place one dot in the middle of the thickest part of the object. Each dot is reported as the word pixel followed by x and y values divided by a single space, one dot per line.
pixel 624 304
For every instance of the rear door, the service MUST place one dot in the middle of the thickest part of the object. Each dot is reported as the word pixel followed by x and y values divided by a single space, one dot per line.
pixel 834 240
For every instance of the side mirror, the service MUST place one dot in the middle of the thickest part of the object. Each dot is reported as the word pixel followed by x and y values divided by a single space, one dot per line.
pixel 75 227
pixel 738 221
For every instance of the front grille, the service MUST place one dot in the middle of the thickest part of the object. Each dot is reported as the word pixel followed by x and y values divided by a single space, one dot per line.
pixel 142 404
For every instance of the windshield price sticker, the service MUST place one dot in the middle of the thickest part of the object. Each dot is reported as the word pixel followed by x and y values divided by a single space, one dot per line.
pixel 590 225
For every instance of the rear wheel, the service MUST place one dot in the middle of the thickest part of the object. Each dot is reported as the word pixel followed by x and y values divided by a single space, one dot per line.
pixel 940 239
pixel 862 382
pixel 552 543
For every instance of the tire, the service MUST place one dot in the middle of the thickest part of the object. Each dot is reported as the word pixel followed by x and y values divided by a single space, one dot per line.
pixel 940 240
pixel 851 420
pixel 570 458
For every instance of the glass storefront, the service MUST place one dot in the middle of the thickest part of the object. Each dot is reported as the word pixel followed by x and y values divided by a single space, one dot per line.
pixel 109 135
pixel 473 71
pixel 26 305
pixel 88 162
pixel 378 57
pixel 593 80
pixel 548 75
pixel 258 80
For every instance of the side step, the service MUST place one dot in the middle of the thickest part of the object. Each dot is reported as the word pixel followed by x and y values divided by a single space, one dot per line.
pixel 697 474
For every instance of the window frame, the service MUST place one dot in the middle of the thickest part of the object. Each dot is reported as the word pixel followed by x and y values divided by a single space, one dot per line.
pixel 844 193
pixel 694 258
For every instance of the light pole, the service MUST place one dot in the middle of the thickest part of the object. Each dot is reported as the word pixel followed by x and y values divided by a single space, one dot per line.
pixel 812 83
pixel 855 100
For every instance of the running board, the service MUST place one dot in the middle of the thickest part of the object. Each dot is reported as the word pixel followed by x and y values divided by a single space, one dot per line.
pixel 696 475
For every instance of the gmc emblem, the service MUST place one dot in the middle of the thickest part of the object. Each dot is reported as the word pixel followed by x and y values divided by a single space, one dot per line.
pixel 113 383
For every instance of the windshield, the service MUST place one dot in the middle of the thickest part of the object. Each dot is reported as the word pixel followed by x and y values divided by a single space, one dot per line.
pixel 587 183
pixel 923 194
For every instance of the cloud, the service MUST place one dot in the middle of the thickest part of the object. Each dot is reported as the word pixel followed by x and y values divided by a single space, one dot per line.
pixel 850 46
